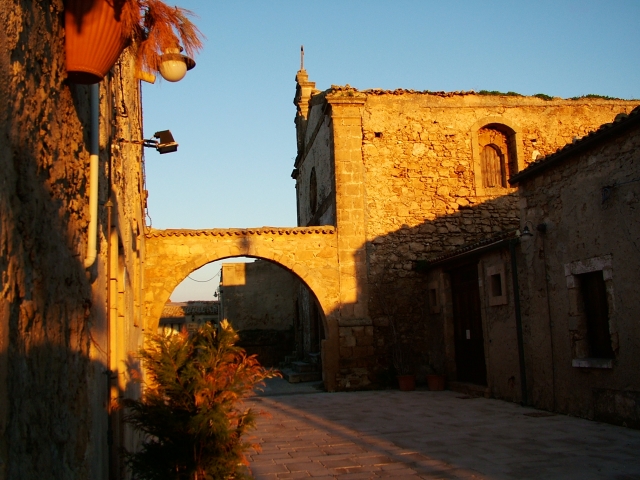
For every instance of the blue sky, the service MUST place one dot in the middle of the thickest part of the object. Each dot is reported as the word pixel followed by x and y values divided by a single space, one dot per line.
pixel 233 114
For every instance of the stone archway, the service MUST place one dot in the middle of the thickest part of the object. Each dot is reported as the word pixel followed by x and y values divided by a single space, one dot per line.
pixel 311 253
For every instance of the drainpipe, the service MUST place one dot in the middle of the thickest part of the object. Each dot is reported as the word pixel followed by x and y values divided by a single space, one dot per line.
pixel 516 301
pixel 94 148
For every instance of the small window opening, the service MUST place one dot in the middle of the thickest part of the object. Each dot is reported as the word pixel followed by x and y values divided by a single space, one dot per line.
pixel 433 297
pixel 496 285
pixel 378 134
pixel 596 311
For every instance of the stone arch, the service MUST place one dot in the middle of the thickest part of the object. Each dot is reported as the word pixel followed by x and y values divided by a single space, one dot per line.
pixel 514 151
pixel 310 253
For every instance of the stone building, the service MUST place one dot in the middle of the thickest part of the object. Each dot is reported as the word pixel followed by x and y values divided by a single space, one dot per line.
pixel 561 334
pixel 580 305
pixel 474 334
pixel 406 175
pixel 258 299
pixel 177 316
pixel 71 302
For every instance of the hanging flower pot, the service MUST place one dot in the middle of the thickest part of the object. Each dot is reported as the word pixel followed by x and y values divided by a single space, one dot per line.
pixel 98 30
pixel 94 39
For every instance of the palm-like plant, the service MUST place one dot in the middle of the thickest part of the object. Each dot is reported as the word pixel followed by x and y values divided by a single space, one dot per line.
pixel 190 413
pixel 154 28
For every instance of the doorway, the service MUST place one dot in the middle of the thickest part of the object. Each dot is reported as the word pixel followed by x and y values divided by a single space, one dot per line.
pixel 467 320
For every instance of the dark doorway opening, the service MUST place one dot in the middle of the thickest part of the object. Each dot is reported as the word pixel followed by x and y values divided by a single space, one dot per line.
pixel 467 319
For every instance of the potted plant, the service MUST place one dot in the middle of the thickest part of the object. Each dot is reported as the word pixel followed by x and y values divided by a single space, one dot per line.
pixel 388 302
pixel 403 360
pixel 435 381
pixel 97 31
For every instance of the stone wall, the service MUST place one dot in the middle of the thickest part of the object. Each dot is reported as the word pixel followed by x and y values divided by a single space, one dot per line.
pixel 258 300
pixel 408 173
pixel 316 205
pixel 53 313
pixel 423 174
pixel 588 199
pixel 257 295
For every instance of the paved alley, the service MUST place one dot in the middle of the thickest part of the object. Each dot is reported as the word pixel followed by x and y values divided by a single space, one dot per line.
pixel 422 434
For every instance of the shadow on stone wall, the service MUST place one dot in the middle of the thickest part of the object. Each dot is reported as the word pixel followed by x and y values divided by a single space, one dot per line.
pixel 50 388
pixel 398 303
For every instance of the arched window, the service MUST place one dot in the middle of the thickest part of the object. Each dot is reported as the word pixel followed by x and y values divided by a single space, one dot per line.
pixel 313 192
pixel 493 167
pixel 496 158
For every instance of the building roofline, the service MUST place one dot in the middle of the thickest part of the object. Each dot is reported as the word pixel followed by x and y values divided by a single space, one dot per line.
pixel 606 131
pixel 543 99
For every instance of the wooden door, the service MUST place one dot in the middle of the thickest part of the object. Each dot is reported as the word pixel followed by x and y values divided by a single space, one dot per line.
pixel 467 319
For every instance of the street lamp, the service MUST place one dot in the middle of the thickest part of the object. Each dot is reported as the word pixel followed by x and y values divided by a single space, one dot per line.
pixel 174 65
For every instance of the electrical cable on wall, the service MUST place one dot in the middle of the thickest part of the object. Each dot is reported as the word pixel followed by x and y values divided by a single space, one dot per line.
pixel 203 281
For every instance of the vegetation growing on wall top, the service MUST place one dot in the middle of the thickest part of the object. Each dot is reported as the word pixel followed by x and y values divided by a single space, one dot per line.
pixel 595 96
pixel 496 92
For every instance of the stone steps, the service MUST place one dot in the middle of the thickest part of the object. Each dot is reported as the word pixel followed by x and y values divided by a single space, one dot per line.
pixel 292 376
pixel 288 360
pixel 298 371
pixel 470 389
pixel 303 367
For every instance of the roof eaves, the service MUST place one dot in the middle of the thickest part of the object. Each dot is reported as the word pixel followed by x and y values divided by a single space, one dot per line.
pixel 475 248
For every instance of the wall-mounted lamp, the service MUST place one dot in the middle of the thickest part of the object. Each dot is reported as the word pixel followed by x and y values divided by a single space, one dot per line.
pixel 165 142
pixel 526 231
pixel 174 65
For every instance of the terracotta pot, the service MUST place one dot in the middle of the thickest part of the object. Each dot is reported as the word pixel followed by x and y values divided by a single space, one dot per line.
pixel 436 382
pixel 407 382
pixel 94 39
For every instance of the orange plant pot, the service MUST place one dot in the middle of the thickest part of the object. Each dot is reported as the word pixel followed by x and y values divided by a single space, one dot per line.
pixel 407 382
pixel 94 39
pixel 436 382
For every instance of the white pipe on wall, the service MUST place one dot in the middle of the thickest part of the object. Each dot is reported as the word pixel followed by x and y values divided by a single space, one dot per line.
pixel 94 149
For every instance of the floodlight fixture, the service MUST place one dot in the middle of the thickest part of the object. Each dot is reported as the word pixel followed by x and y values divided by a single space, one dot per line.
pixel 165 142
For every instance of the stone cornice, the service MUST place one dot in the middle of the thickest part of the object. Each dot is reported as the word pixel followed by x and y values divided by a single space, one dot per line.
pixel 241 232
pixel 334 99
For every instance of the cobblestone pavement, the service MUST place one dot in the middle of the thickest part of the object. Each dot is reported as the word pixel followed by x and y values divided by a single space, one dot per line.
pixel 422 434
